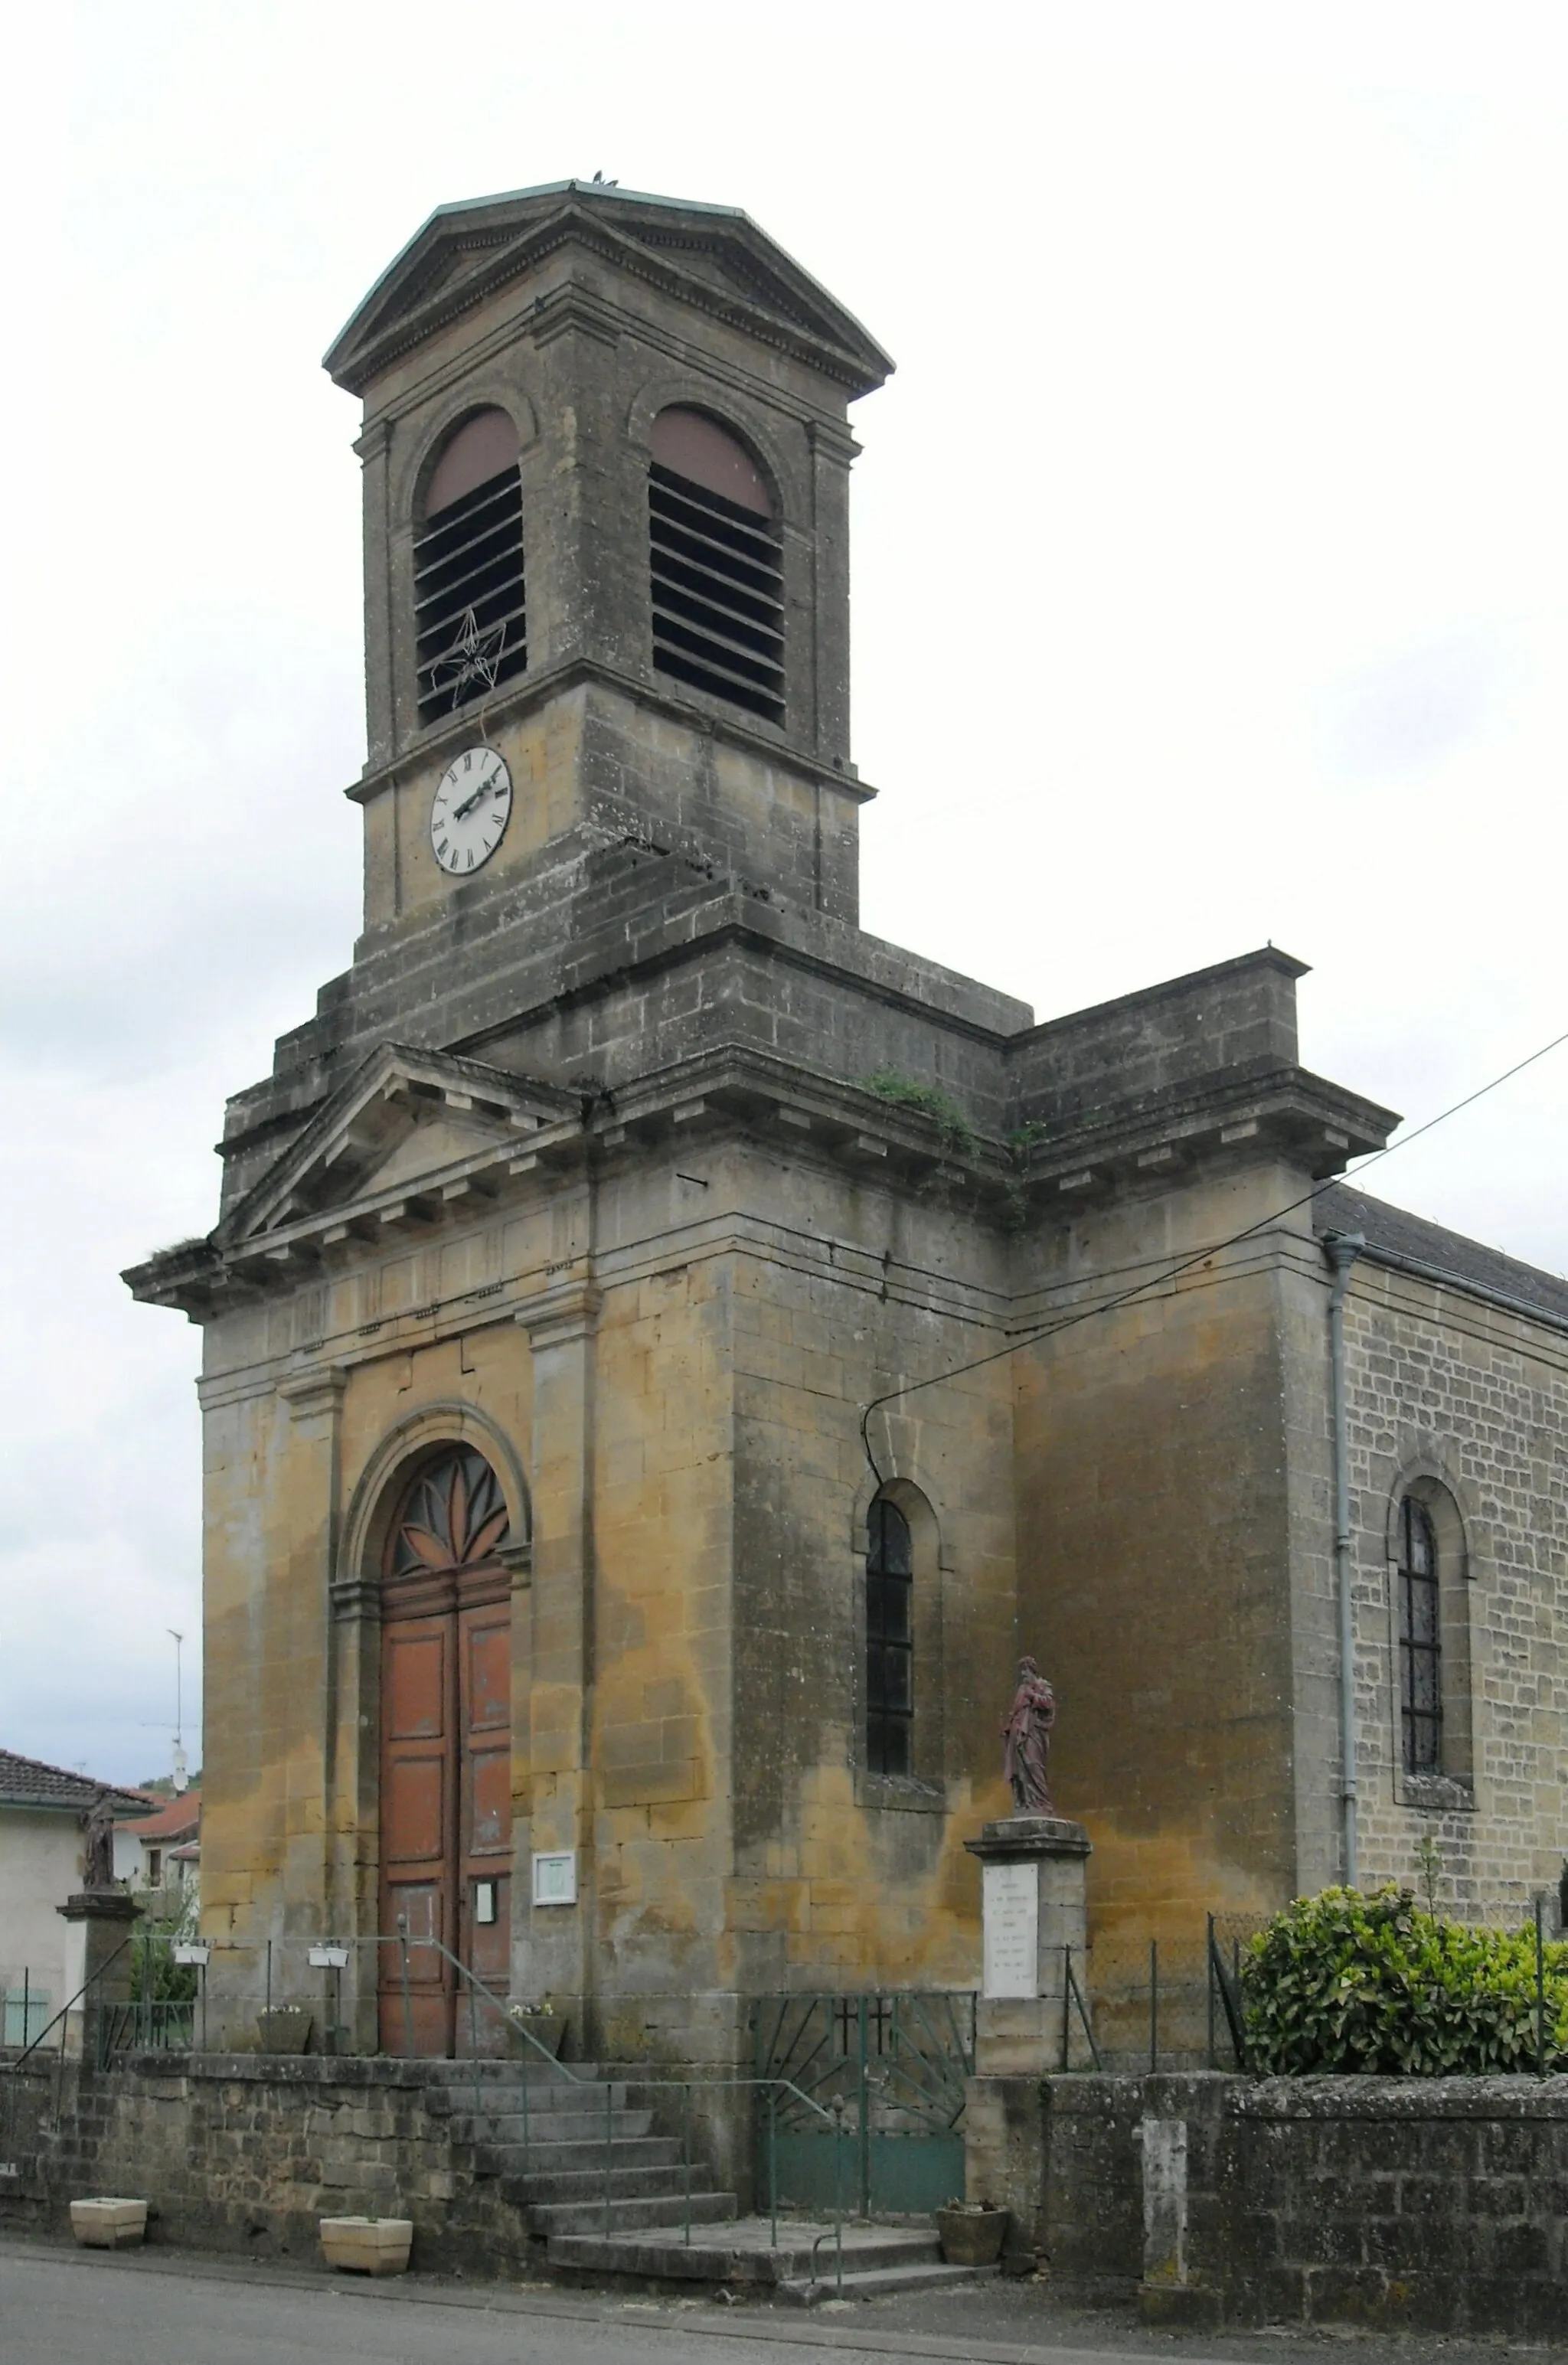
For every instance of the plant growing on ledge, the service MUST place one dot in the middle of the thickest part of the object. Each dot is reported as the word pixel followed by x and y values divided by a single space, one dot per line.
pixel 959 1136
pixel 1344 1981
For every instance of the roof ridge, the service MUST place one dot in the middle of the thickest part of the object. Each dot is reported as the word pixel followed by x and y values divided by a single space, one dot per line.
pixel 83 1786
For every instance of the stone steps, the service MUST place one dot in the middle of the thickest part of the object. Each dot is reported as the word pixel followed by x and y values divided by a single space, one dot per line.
pixel 802 2268
pixel 606 2196
pixel 558 2219
pixel 535 2184
pixel 506 2124
pixel 520 2161
pixel 557 2127
pixel 877 2283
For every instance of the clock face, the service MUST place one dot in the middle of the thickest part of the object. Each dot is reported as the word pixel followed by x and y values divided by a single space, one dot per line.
pixel 470 811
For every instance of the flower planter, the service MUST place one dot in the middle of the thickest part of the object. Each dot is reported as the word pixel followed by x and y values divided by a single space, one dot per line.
pixel 108 2225
pixel 286 2029
pixel 546 2028
pixel 368 2246
pixel 972 2236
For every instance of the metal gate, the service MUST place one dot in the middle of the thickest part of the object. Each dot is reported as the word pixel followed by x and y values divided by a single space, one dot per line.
pixel 888 2071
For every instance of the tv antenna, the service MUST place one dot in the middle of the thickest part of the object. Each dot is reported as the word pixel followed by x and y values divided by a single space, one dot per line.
pixel 182 1775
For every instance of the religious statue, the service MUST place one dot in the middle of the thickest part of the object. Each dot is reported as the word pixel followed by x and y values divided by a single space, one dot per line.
pixel 1027 1737
pixel 100 1851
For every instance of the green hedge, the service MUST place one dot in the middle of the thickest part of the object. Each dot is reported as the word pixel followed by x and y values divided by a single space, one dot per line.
pixel 1345 1982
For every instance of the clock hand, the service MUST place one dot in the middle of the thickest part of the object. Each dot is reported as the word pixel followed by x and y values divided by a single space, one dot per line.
pixel 470 801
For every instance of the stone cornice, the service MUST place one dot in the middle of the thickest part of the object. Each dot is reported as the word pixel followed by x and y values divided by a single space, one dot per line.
pixel 561 1313
pixel 438 740
pixel 822 334
pixel 511 1106
pixel 311 1393
pixel 1280 1115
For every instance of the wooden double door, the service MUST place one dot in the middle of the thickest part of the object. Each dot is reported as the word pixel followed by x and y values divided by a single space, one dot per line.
pixel 445 1763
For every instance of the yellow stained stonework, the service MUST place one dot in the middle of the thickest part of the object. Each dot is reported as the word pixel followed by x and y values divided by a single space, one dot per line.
pixel 631 1165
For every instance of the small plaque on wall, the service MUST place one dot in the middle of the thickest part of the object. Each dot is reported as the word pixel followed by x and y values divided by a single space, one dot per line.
pixel 555 1876
pixel 1010 1913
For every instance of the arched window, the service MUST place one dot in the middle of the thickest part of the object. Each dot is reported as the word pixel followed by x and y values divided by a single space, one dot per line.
pixel 715 565
pixel 889 1640
pixel 1420 1641
pixel 454 1517
pixel 470 620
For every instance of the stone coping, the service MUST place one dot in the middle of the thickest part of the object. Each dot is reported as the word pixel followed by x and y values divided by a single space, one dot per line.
pixel 1030 1835
pixel 312 2068
pixel 1230 2092
pixel 389 2070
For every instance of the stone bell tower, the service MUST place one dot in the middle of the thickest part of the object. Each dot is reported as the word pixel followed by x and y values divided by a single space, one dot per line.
pixel 635 1434
pixel 606 483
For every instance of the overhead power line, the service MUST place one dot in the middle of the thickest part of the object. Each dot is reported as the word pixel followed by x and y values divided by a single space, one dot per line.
pixel 1185 1264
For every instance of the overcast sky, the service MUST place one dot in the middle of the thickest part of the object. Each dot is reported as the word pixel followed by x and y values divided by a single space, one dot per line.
pixel 1209 584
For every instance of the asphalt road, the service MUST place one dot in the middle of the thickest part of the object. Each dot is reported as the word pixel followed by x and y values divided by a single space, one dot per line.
pixel 80 2308
pixel 59 2307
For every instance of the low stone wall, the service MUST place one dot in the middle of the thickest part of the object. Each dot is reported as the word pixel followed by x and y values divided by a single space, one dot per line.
pixel 32 2098
pixel 245 2152
pixel 1431 2205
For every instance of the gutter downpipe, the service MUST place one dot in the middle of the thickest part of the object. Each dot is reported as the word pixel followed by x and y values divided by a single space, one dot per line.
pixel 1342 1249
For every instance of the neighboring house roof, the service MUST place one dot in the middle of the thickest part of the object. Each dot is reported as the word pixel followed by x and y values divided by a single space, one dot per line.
pixel 189 1854
pixel 175 1819
pixel 1409 1244
pixel 26 1782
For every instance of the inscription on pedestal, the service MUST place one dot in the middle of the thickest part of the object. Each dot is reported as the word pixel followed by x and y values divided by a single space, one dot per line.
pixel 1009 1921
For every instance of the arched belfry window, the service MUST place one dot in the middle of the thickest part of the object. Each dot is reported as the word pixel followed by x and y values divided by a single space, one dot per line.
pixel 1420 1640
pixel 889 1640
pixel 470 618
pixel 715 565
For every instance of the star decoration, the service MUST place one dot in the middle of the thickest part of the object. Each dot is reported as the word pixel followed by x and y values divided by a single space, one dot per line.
pixel 473 656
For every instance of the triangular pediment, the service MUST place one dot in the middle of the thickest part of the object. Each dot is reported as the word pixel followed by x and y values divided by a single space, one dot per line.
pixel 714 255
pixel 405 1119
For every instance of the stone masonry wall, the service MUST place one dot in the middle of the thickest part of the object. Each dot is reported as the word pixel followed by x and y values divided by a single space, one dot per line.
pixel 1426 2204
pixel 1469 1404
pixel 243 2153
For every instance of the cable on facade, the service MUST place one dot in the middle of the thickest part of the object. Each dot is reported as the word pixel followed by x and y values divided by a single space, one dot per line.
pixel 1199 1256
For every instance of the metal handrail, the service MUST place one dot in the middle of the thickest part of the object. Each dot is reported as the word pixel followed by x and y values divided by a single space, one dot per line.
pixel 683 2085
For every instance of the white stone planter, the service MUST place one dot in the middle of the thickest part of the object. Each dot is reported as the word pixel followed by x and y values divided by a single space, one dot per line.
pixel 368 2246
pixel 109 2225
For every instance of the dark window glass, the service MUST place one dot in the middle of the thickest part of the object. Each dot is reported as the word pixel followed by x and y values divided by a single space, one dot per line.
pixel 1420 1641
pixel 889 1641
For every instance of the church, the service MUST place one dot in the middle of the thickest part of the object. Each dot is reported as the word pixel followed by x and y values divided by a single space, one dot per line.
pixel 668 1353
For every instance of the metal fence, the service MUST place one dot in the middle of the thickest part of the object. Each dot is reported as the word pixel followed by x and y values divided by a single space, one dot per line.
pixel 1178 2003
pixel 25 2008
pixel 876 2083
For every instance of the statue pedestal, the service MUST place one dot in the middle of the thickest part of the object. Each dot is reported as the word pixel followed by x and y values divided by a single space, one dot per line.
pixel 1035 1923
pixel 98 1958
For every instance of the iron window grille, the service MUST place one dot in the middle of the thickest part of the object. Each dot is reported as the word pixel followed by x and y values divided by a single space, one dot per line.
pixel 470 613
pixel 1420 1641
pixel 718 594
pixel 889 1641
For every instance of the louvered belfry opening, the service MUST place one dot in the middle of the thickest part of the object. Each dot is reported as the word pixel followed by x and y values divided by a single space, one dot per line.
pixel 470 618
pixel 715 562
